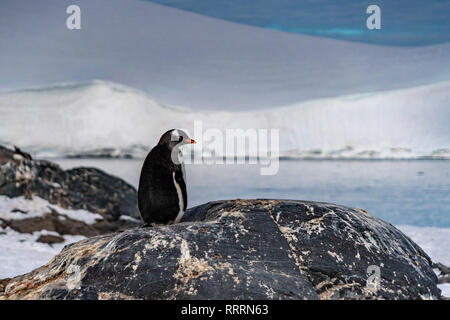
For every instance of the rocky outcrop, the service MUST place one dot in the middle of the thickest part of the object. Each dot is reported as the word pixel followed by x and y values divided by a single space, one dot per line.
pixel 444 272
pixel 241 249
pixel 86 189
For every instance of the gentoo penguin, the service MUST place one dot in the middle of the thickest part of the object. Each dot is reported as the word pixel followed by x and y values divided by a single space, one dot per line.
pixel 162 197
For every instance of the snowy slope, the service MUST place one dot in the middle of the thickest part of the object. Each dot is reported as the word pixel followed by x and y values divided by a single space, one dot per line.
pixel 185 59
pixel 98 115
pixel 81 117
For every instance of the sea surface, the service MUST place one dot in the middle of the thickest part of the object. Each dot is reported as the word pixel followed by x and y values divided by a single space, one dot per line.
pixel 403 22
pixel 402 192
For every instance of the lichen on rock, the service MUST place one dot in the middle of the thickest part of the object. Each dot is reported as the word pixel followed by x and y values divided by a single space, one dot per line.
pixel 240 249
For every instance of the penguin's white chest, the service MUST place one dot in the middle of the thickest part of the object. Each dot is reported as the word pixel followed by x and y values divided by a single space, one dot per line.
pixel 180 199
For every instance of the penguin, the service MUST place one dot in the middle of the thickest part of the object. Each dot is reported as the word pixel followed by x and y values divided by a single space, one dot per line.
pixel 162 196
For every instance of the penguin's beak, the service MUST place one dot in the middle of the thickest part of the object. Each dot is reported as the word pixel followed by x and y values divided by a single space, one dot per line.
pixel 190 141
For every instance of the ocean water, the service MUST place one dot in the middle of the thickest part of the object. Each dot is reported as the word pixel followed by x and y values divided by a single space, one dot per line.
pixel 415 193
pixel 403 22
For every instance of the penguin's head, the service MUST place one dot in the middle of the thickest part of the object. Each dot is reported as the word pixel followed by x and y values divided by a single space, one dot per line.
pixel 175 138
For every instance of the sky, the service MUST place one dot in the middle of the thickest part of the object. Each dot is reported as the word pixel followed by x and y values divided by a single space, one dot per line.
pixel 193 61
pixel 404 22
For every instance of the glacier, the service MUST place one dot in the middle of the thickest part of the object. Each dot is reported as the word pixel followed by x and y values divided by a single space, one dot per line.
pixel 101 117
pixel 162 68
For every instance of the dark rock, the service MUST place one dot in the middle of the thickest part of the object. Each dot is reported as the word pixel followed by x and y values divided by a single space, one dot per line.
pixel 80 188
pixel 18 210
pixel 50 239
pixel 25 155
pixel 3 283
pixel 6 155
pixel 444 279
pixel 241 249
pixel 444 274
pixel 442 268
pixel 52 222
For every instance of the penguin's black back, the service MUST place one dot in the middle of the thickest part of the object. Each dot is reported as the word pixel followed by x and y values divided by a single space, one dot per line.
pixel 158 199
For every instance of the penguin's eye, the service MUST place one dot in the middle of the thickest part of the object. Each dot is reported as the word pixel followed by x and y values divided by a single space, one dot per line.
pixel 180 139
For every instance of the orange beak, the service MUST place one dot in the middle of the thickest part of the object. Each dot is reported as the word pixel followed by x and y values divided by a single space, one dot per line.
pixel 190 140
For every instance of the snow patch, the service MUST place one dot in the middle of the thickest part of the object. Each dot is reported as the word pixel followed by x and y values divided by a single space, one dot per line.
pixel 435 242
pixel 21 208
pixel 128 218
pixel 20 253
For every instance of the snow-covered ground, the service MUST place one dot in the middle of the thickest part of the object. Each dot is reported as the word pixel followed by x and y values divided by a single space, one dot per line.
pixel 435 242
pixel 20 253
